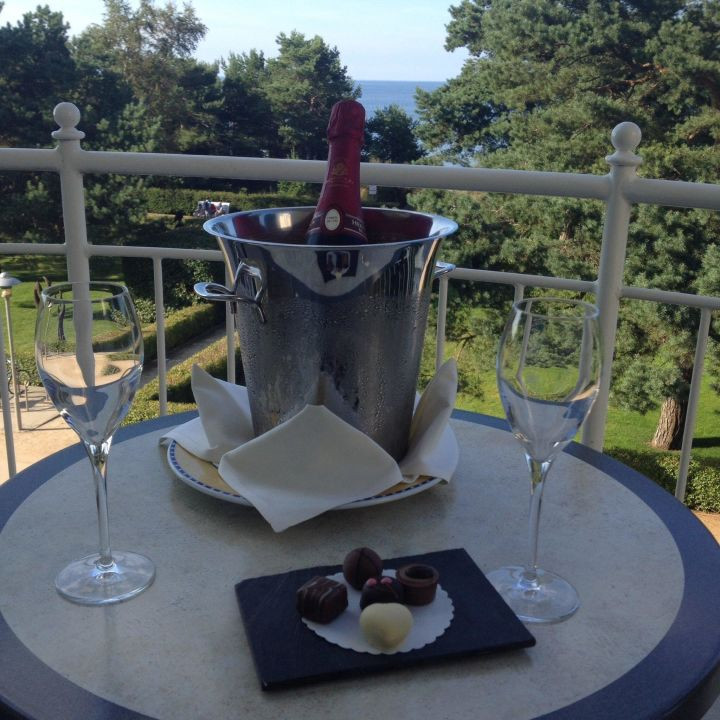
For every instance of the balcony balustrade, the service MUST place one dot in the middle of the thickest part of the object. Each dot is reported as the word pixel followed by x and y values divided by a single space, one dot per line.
pixel 620 189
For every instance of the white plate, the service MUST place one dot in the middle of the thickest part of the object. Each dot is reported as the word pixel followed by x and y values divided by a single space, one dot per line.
pixel 203 476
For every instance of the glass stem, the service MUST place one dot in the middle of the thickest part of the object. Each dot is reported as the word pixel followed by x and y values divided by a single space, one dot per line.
pixel 98 455
pixel 538 473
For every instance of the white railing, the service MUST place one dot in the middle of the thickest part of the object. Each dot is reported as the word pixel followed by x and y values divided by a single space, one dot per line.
pixel 620 189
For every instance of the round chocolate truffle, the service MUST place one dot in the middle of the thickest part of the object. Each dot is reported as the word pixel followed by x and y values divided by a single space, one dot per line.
pixel 381 590
pixel 419 583
pixel 360 565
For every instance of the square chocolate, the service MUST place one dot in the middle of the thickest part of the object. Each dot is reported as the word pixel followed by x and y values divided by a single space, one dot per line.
pixel 321 599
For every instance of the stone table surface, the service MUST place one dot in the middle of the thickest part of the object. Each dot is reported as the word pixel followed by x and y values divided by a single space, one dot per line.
pixel 645 642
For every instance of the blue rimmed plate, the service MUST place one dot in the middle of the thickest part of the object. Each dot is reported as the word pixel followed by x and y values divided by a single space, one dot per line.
pixel 203 476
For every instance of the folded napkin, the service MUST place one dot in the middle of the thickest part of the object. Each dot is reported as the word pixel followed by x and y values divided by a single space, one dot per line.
pixel 315 461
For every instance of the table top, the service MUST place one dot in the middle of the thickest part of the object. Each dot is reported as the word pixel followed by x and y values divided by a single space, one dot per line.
pixel 644 644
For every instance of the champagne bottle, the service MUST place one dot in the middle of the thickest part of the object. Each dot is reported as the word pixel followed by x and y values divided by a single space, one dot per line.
pixel 338 216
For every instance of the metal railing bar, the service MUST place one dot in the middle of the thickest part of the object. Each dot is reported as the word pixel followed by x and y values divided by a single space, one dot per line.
pixel 6 413
pixel 523 182
pixel 240 168
pixel 33 249
pixel 499 277
pixel 693 401
pixel 670 297
pixel 230 331
pixel 675 193
pixel 160 324
pixel 163 253
pixel 508 278
pixel 386 174
pixel 441 321
pixel 30 159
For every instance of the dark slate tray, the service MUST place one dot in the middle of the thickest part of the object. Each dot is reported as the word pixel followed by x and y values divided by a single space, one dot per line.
pixel 287 653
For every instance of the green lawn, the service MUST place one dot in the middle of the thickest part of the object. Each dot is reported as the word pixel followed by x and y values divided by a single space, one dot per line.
pixel 30 268
pixel 625 429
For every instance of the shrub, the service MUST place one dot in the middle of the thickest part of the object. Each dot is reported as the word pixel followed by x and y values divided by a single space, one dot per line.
pixel 180 326
pixel 703 485
pixel 179 276
pixel 25 363
pixel 145 308
pixel 168 201
pixel 212 359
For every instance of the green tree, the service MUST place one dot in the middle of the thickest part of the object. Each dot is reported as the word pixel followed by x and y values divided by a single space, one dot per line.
pixel 150 49
pixel 303 83
pixel 247 122
pixel 36 71
pixel 390 136
pixel 41 67
pixel 546 82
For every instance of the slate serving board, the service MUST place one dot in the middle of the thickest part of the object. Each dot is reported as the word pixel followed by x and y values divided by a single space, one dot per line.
pixel 288 653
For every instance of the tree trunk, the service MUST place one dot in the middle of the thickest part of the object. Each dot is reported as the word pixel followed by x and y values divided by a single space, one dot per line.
pixel 669 431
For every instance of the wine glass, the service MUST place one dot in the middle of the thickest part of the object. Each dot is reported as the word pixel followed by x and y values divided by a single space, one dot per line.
pixel 89 353
pixel 548 371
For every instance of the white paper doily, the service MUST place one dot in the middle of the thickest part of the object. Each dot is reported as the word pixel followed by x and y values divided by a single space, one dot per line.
pixel 429 622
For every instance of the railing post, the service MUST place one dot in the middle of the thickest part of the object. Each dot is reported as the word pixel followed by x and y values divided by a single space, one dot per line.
pixel 441 321
pixel 7 417
pixel 623 168
pixel 161 359
pixel 67 116
pixel 693 401
pixel 230 332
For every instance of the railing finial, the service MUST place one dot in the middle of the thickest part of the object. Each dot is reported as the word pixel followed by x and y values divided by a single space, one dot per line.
pixel 625 138
pixel 67 116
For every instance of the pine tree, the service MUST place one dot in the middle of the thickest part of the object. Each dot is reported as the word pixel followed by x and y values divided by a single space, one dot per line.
pixel 546 82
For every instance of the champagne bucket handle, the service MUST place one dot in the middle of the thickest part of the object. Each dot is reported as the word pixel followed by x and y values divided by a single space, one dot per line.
pixel 442 268
pixel 248 287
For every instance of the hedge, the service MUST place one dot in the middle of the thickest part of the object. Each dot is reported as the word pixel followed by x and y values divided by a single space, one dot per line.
pixel 703 486
pixel 180 326
pixel 179 276
pixel 212 359
pixel 168 201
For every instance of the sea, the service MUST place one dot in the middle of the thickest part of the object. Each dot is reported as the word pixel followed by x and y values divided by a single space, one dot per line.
pixel 378 94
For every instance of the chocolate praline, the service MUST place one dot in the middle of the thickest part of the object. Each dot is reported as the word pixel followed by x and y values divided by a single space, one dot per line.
pixel 419 583
pixel 381 590
pixel 321 599
pixel 360 565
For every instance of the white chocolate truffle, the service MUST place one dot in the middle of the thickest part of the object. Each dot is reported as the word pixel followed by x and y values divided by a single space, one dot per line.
pixel 385 625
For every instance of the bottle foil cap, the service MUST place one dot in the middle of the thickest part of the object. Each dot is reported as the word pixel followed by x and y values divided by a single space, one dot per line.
pixel 347 117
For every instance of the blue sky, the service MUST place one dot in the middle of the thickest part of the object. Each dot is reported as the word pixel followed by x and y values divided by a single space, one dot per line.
pixel 377 39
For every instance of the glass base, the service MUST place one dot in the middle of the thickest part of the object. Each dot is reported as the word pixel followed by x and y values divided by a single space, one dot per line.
pixel 540 597
pixel 89 583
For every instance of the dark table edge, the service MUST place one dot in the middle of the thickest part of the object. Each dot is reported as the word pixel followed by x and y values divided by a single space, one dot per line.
pixel 683 671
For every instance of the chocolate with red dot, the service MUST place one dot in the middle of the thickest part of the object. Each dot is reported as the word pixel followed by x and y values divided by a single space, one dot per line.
pixel 381 590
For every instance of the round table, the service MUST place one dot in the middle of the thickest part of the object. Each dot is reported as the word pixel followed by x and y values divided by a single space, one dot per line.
pixel 644 644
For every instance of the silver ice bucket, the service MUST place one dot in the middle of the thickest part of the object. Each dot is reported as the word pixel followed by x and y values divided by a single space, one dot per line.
pixel 341 326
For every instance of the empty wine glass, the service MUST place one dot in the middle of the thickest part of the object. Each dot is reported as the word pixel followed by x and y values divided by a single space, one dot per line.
pixel 89 353
pixel 548 370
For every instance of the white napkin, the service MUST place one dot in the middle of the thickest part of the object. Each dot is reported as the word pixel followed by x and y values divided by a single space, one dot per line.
pixel 315 461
